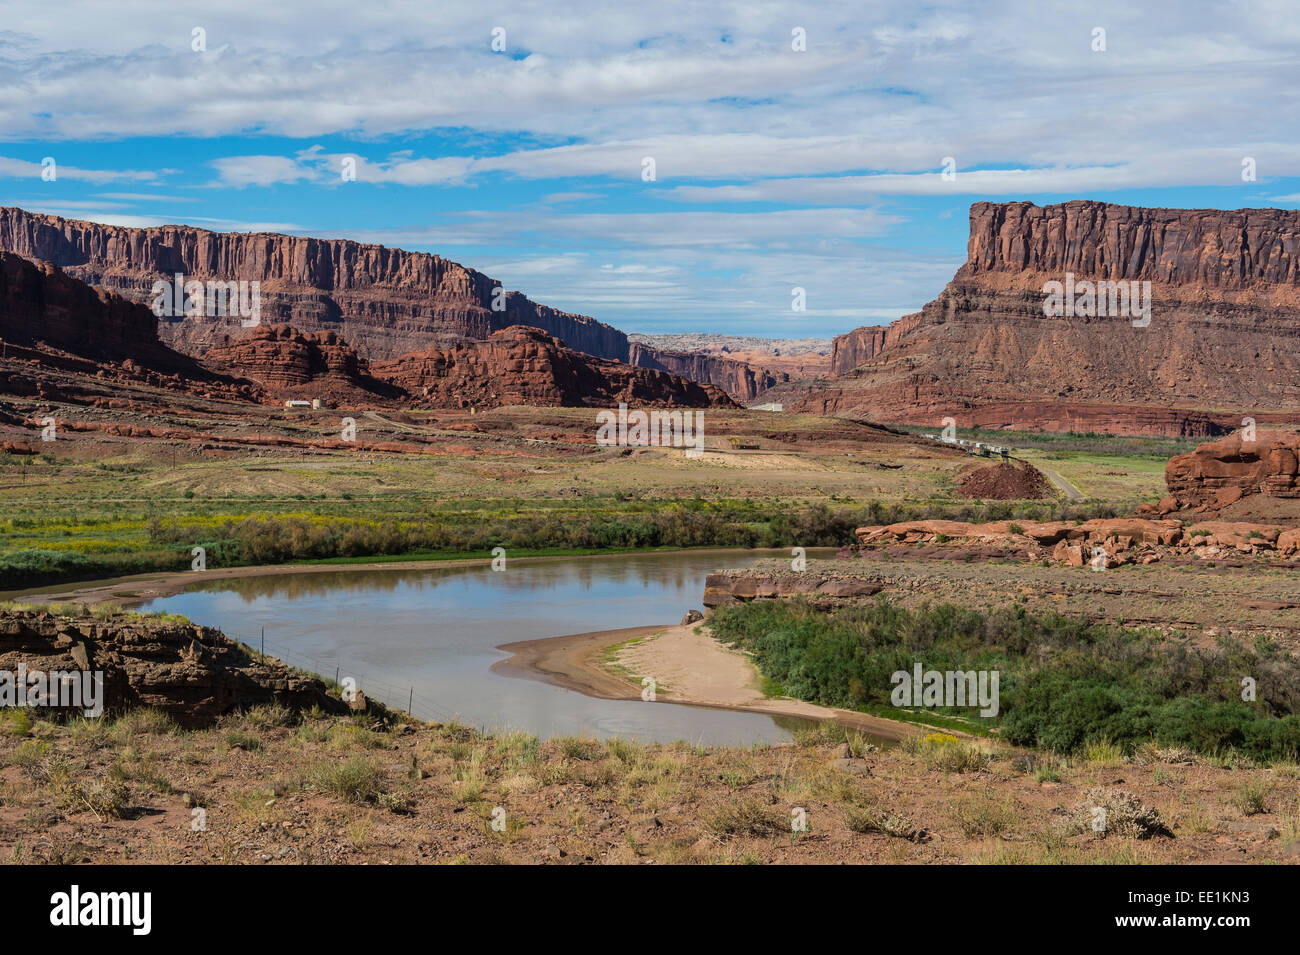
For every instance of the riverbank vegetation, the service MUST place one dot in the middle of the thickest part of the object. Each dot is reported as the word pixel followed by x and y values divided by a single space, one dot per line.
pixel 1065 684
pixel 36 551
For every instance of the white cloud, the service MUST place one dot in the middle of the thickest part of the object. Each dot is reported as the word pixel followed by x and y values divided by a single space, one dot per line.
pixel 241 171
pixel 678 230
pixel 104 214
pixel 23 169
pixel 144 197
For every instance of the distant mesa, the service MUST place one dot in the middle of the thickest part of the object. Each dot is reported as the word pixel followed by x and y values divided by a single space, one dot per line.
pixel 1225 295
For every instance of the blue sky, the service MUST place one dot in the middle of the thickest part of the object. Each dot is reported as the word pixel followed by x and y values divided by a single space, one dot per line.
pixel 774 167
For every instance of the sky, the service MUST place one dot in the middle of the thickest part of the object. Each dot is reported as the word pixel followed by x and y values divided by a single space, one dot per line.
pixel 664 167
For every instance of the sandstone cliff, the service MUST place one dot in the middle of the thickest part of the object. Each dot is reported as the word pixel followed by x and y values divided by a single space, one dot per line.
pixel 386 302
pixel 65 341
pixel 736 378
pixel 850 350
pixel 1221 341
pixel 61 340
pixel 39 304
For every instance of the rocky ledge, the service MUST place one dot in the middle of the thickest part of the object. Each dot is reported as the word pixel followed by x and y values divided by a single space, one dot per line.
pixel 1120 540
pixel 194 674
pixel 773 578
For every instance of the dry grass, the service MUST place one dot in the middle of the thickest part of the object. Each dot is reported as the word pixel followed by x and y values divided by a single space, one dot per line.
pixel 339 790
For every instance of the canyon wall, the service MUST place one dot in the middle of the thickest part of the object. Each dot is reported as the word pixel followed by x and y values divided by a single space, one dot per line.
pixel 386 302
pixel 61 340
pixel 736 378
pixel 851 349
pixel 1221 342
pixel 40 304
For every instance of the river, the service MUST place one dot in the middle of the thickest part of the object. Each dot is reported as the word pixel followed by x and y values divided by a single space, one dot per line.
pixel 432 635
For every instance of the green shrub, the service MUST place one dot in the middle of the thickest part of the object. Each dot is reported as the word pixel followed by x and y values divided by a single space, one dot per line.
pixel 1066 684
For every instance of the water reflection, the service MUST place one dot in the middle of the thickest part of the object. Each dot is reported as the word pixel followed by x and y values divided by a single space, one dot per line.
pixel 431 635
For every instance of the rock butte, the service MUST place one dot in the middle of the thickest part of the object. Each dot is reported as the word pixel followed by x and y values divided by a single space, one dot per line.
pixel 1220 345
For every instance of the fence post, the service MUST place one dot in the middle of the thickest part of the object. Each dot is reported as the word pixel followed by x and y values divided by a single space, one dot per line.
pixel 263 643
pixel 410 701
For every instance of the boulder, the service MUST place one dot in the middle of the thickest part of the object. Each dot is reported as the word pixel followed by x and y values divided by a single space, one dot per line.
pixel 1221 472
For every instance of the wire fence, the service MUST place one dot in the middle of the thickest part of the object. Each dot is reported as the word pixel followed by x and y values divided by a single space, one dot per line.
pixel 392 695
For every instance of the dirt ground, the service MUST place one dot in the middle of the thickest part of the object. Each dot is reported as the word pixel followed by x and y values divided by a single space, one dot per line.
pixel 266 788
pixel 1003 482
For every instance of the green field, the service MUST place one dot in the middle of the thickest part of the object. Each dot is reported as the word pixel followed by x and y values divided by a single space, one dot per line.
pixel 79 514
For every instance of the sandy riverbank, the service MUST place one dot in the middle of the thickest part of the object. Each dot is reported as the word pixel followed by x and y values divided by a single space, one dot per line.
pixel 688 667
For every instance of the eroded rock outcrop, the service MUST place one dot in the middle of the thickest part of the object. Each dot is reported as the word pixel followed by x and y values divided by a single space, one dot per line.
pixel 1225 312
pixel 312 365
pixel 1101 543
pixel 194 674
pixel 740 586
pixel 526 366
pixel 1219 473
